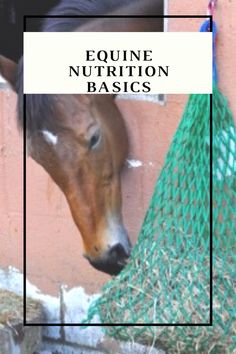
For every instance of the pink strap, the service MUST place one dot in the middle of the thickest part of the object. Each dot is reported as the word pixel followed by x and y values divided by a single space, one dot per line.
pixel 211 7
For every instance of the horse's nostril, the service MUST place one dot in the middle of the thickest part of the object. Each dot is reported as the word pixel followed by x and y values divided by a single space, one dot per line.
pixel 118 252
pixel 113 261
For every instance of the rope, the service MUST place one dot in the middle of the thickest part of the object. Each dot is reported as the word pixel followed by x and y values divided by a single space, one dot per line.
pixel 205 27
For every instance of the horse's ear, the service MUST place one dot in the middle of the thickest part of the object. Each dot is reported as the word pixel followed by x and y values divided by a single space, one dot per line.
pixel 8 70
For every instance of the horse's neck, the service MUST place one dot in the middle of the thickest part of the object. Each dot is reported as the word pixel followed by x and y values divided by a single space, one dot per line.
pixel 141 7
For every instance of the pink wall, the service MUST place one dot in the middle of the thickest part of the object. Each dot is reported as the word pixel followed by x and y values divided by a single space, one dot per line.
pixel 54 254
pixel 11 192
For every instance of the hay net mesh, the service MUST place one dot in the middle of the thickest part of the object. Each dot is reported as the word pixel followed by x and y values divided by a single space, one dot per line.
pixel 168 277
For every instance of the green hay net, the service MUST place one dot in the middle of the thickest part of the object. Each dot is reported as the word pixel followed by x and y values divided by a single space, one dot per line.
pixel 168 278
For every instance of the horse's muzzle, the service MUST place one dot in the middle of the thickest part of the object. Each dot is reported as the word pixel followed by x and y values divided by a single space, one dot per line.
pixel 113 261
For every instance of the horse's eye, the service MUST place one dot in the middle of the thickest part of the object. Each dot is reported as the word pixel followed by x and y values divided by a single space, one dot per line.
pixel 94 141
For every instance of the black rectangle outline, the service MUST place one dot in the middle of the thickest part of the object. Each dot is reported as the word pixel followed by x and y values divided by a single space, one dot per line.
pixel 207 324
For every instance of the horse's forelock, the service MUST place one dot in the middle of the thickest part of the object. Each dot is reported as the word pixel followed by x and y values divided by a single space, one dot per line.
pixel 39 108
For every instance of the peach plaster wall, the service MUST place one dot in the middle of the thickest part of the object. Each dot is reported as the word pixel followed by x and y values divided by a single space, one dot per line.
pixel 54 251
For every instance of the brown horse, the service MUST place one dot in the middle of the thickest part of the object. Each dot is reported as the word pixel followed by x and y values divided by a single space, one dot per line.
pixel 81 140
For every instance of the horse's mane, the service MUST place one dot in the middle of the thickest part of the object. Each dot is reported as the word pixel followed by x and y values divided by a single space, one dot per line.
pixel 39 108
pixel 78 8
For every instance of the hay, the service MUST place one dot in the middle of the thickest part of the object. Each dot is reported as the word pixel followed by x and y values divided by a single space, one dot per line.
pixel 11 309
pixel 168 278
pixel 219 338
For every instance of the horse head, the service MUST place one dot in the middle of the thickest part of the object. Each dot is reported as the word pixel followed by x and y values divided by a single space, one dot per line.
pixel 81 141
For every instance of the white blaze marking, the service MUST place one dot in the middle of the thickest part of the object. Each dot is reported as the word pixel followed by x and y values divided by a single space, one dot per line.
pixel 50 137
